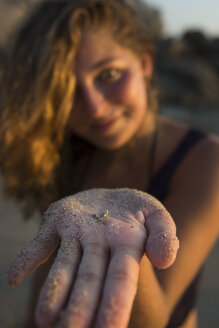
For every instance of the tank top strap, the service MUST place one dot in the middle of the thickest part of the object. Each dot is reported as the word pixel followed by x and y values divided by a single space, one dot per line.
pixel 160 183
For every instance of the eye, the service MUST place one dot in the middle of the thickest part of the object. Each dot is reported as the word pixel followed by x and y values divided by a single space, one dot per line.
pixel 109 75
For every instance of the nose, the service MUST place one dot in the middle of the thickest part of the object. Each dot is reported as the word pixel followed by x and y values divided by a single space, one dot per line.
pixel 92 101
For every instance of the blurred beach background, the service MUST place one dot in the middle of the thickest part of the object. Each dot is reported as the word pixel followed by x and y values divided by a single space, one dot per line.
pixel 187 73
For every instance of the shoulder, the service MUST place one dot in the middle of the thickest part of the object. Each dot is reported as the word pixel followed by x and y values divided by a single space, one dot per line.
pixel 193 202
pixel 200 167
pixel 195 184
pixel 202 156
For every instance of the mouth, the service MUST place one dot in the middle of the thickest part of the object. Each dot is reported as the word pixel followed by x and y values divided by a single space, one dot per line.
pixel 104 125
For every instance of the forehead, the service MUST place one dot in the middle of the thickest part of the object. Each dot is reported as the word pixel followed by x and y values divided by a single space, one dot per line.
pixel 99 46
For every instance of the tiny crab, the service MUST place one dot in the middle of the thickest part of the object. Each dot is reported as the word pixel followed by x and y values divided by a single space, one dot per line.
pixel 102 218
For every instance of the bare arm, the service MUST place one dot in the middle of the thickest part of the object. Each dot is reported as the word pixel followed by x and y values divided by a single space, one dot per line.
pixel 194 205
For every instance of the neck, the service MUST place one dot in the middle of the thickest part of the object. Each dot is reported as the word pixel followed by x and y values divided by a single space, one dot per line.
pixel 112 168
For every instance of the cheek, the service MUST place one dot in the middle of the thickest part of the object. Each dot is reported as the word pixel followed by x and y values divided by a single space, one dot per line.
pixel 128 91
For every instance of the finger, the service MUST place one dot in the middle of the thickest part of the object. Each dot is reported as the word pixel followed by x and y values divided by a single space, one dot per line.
pixel 55 291
pixel 86 293
pixel 35 253
pixel 119 289
pixel 162 243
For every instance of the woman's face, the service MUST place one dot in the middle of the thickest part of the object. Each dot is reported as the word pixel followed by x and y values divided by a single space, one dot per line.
pixel 110 99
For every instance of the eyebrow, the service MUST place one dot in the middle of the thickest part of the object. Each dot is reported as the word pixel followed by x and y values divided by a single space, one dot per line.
pixel 102 63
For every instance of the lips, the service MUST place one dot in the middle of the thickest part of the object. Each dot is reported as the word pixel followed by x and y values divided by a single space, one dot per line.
pixel 104 125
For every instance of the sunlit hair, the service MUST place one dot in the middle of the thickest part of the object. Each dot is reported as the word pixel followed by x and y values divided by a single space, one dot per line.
pixel 38 156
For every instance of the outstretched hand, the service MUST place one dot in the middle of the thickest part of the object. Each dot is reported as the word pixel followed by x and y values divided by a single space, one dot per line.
pixel 102 235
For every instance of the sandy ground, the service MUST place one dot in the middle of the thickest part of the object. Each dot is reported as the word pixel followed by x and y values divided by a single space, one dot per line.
pixel 14 233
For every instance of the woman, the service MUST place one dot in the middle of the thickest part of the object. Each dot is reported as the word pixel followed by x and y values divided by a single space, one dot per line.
pixel 80 113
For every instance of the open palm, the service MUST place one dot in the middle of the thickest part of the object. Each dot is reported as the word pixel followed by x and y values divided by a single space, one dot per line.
pixel 102 235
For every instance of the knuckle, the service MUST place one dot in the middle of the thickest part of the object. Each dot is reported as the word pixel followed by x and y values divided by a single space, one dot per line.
pixel 63 261
pixel 88 276
pixel 95 249
pixel 122 276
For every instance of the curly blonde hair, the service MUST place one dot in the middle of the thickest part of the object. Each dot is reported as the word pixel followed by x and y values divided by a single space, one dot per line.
pixel 38 154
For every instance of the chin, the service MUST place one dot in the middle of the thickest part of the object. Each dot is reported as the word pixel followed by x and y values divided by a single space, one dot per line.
pixel 115 144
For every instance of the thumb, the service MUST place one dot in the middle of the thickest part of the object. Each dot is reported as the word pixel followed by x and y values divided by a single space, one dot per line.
pixel 162 243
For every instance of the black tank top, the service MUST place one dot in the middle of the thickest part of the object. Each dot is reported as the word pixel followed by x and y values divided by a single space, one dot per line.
pixel 159 188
